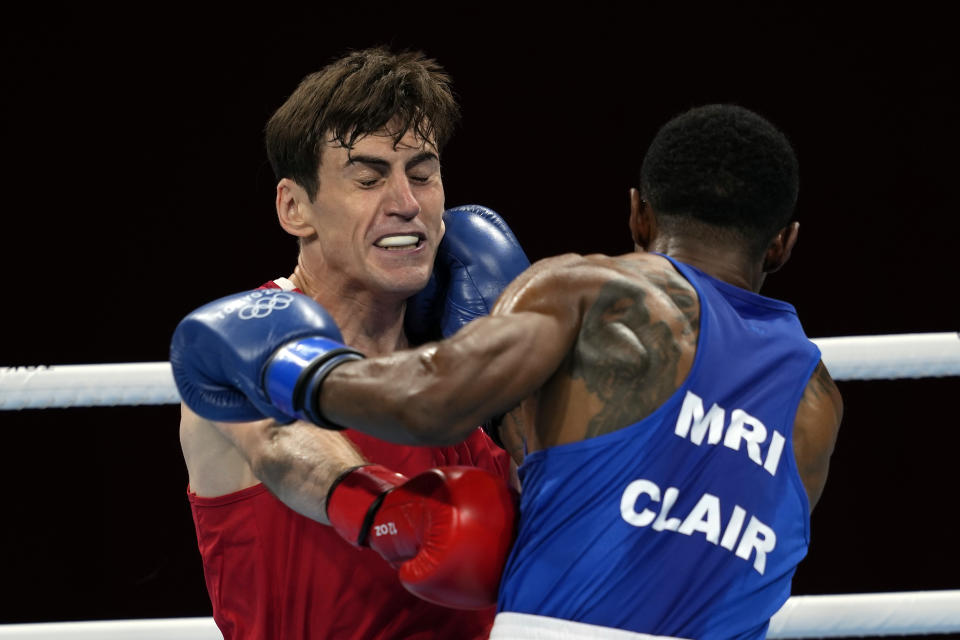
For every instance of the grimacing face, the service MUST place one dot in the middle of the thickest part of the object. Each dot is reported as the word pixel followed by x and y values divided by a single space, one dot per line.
pixel 379 213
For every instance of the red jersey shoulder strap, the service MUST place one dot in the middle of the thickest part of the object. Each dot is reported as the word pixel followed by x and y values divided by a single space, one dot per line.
pixel 280 283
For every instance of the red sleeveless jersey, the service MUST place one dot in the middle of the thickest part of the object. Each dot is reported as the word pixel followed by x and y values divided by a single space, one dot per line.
pixel 273 574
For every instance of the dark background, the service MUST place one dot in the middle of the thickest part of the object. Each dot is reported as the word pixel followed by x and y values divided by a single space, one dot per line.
pixel 135 188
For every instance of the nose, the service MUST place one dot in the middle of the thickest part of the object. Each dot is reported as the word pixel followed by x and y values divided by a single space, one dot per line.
pixel 400 198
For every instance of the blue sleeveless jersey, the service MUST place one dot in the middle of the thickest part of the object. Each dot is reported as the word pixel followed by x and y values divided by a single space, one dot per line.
pixel 691 522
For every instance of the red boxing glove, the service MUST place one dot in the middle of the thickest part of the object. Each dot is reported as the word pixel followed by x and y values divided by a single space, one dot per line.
pixel 448 530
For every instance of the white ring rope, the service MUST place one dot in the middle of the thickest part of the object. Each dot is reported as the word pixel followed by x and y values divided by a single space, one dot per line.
pixel 834 616
pixel 912 355
pixel 87 385
pixel 909 355
pixel 150 629
pixel 868 614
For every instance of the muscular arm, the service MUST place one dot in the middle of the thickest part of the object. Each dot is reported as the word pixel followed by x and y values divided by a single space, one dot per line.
pixel 297 462
pixel 438 393
pixel 815 431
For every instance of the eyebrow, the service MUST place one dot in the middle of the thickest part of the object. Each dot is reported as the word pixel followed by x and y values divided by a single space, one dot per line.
pixel 381 164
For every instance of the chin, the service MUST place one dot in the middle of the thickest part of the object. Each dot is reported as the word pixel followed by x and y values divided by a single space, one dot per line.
pixel 406 282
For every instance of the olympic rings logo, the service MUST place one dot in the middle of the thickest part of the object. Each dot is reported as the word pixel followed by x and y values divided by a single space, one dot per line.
pixel 263 307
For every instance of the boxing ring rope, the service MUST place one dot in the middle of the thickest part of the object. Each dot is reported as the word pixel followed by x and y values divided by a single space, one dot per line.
pixel 911 355
pixel 915 355
pixel 826 616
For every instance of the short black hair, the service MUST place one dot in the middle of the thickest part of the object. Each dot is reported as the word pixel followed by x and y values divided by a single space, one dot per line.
pixel 354 96
pixel 726 166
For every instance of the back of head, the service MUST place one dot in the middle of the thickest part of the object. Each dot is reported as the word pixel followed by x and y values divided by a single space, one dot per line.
pixel 358 94
pixel 721 169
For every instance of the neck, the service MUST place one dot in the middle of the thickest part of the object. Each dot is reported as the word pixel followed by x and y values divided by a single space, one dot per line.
pixel 725 262
pixel 368 321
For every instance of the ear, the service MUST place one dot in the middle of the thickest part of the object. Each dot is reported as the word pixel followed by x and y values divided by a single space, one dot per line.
pixel 293 210
pixel 780 248
pixel 643 225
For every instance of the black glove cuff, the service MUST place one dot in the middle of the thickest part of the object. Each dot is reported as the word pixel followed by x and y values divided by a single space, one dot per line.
pixel 310 400
pixel 368 519
pixel 371 511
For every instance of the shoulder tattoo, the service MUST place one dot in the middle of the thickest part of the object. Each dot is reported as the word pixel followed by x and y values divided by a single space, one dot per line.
pixel 627 356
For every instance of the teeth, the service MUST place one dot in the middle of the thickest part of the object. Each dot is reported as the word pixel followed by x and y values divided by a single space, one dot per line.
pixel 398 241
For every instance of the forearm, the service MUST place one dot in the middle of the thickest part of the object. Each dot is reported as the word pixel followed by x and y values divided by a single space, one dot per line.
pixel 439 393
pixel 398 399
pixel 297 462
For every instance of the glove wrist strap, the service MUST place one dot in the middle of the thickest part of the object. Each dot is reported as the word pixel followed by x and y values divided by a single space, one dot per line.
pixel 293 368
pixel 314 380
pixel 354 498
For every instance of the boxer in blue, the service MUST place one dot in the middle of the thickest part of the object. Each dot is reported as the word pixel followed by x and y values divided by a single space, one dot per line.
pixel 677 425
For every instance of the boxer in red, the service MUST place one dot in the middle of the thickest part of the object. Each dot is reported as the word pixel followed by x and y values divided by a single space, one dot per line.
pixel 356 153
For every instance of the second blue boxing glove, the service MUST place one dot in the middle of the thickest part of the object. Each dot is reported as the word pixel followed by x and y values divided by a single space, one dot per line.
pixel 477 258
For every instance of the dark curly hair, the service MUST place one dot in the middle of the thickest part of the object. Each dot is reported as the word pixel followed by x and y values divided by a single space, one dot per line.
pixel 354 96
pixel 725 166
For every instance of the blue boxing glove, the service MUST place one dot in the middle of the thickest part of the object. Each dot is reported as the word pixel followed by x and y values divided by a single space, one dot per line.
pixel 256 354
pixel 477 258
